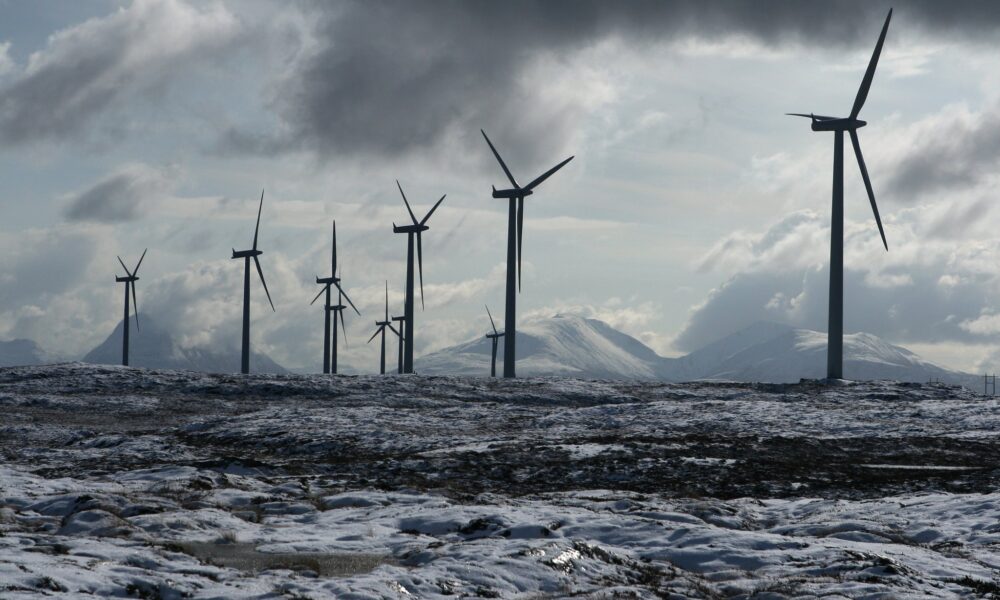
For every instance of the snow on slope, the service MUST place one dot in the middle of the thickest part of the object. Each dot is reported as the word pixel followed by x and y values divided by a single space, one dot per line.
pixel 120 482
pixel 562 345
pixel 153 347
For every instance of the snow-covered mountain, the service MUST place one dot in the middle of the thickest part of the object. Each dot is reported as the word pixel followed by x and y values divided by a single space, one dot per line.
pixel 15 353
pixel 153 347
pixel 781 354
pixel 562 345
pixel 768 352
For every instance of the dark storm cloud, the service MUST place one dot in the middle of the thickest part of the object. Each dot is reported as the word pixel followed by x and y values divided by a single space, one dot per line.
pixel 392 78
pixel 121 196
pixel 955 154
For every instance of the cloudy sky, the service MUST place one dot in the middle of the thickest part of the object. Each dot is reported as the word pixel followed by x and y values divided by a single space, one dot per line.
pixel 694 207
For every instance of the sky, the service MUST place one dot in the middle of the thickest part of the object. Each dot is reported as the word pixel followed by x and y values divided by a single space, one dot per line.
pixel 693 208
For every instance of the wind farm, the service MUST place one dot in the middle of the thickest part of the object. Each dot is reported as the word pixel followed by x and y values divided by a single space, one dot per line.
pixel 709 388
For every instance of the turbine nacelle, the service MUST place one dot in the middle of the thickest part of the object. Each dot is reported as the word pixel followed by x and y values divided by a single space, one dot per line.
pixel 246 253
pixel 418 228
pixel 337 307
pixel 846 124
pixel 126 279
pixel 512 193
pixel 327 280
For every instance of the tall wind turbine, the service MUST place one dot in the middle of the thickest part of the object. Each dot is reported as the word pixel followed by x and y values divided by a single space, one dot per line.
pixel 494 338
pixel 328 283
pixel 515 227
pixel 382 326
pixel 835 339
pixel 411 231
pixel 129 281
pixel 246 255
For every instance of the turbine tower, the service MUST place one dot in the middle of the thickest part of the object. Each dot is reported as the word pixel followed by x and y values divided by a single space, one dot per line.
pixel 129 281
pixel 494 338
pixel 515 227
pixel 328 283
pixel 411 231
pixel 850 124
pixel 246 255
pixel 401 345
pixel 381 328
pixel 337 309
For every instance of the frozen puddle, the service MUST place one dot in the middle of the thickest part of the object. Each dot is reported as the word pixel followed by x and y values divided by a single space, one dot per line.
pixel 921 467
pixel 245 557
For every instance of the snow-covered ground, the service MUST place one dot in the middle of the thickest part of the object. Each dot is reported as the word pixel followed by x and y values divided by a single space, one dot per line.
pixel 160 484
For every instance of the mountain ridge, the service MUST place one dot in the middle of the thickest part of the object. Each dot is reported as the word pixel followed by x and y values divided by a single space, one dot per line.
pixel 764 351
pixel 153 347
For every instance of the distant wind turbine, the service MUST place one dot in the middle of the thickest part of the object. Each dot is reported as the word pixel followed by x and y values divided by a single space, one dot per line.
pixel 129 280
pixel 328 283
pixel 381 328
pixel 835 339
pixel 515 227
pixel 416 229
pixel 246 255
pixel 494 338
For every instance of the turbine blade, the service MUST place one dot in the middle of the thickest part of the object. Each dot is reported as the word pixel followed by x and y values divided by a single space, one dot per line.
pixel 123 266
pixel 868 185
pixel 399 335
pixel 261 273
pixel 491 320
pixel 420 267
pixel 321 290
pixel 343 326
pixel 333 254
pixel 811 116
pixel 520 231
pixel 135 304
pixel 431 212
pixel 377 331
pixel 343 294
pixel 407 203
pixel 257 228
pixel 866 83
pixel 503 165
pixel 547 174
pixel 387 300
pixel 136 271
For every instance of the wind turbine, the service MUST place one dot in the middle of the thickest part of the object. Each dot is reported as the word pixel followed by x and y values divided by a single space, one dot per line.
pixel 494 338
pixel 515 227
pixel 129 281
pixel 381 328
pixel 328 283
pixel 246 255
pixel 835 339
pixel 416 229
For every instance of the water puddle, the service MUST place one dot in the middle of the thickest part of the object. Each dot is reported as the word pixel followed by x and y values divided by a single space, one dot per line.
pixel 245 557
